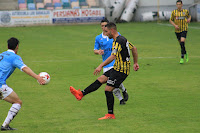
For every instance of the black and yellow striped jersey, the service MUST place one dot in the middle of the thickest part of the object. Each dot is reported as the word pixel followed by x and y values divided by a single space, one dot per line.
pixel 180 19
pixel 121 49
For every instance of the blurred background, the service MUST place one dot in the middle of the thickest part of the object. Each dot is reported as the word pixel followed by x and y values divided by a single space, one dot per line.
pixel 113 10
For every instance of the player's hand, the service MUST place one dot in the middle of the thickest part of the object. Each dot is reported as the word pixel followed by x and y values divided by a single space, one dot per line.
pixel 97 70
pixel 188 20
pixel 176 27
pixel 136 67
pixel 41 80
pixel 101 52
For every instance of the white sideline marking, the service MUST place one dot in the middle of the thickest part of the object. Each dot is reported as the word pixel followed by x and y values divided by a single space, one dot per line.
pixel 192 27
pixel 101 59
pixel 156 57
pixel 53 61
pixel 166 57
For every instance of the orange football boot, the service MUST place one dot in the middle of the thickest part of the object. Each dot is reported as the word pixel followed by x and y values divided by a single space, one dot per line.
pixel 77 93
pixel 107 116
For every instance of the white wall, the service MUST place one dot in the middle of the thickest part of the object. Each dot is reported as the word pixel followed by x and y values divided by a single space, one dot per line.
pixel 163 2
pixel 165 5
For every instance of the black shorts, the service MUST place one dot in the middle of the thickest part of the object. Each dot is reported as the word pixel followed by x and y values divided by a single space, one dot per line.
pixel 115 78
pixel 181 34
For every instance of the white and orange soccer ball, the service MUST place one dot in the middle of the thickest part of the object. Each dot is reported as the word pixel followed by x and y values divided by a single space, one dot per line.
pixel 45 76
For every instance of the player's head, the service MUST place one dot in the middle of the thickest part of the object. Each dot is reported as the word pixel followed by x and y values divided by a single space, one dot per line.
pixel 179 4
pixel 110 29
pixel 13 44
pixel 103 23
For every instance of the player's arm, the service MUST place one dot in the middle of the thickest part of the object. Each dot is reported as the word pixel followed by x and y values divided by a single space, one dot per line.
pixel 175 26
pixel 188 17
pixel 106 62
pixel 97 47
pixel 100 52
pixel 171 20
pixel 28 71
pixel 135 58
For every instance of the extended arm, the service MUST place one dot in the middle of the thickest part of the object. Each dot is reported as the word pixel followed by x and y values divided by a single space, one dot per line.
pixel 106 62
pixel 28 71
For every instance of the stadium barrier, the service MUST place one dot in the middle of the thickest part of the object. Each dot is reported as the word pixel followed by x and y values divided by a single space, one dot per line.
pixel 50 17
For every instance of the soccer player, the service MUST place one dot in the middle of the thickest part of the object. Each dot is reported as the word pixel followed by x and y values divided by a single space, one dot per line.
pixel 180 19
pixel 115 76
pixel 103 46
pixel 9 60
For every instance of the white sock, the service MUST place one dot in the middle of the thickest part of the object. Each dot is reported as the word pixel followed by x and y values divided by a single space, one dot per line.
pixel 122 87
pixel 11 114
pixel 117 93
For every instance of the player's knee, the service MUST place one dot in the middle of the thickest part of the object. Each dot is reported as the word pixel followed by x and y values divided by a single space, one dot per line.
pixel 102 79
pixel 182 39
pixel 18 101
pixel 109 88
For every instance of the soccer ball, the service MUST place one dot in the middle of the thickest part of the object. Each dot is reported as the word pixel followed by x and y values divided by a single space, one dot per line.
pixel 46 77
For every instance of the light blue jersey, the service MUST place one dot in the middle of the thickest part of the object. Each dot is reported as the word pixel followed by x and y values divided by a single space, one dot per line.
pixel 104 43
pixel 8 62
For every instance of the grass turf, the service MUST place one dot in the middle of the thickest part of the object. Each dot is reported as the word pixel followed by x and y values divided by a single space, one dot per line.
pixel 164 95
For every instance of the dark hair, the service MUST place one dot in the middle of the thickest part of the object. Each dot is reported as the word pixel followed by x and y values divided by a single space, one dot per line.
pixel 12 43
pixel 104 20
pixel 179 1
pixel 111 25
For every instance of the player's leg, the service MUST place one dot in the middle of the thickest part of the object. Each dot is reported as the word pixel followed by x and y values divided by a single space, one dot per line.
pixel 124 91
pixel 182 43
pixel 114 81
pixel 110 103
pixel 92 87
pixel 178 35
pixel 116 91
pixel 16 105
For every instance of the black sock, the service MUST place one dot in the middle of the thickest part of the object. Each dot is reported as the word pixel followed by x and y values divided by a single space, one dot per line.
pixel 110 101
pixel 183 51
pixel 93 87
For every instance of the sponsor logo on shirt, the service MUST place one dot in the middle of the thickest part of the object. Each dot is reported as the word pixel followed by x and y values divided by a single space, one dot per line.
pixel 180 18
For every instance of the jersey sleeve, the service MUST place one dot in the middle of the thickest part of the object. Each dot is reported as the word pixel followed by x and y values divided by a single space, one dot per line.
pixel 19 63
pixel 187 14
pixel 172 16
pixel 130 45
pixel 96 44
pixel 115 48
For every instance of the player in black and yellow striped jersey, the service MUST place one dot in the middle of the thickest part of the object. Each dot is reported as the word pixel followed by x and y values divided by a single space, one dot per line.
pixel 115 76
pixel 180 19
pixel 121 50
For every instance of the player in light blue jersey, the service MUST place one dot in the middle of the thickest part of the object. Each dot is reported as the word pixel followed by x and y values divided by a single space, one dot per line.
pixel 103 46
pixel 9 60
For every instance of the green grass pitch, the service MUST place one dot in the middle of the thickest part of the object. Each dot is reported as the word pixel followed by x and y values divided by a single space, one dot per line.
pixel 164 96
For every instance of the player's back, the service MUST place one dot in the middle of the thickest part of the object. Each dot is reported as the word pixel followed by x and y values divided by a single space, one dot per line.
pixel 125 47
pixel 6 65
pixel 121 48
